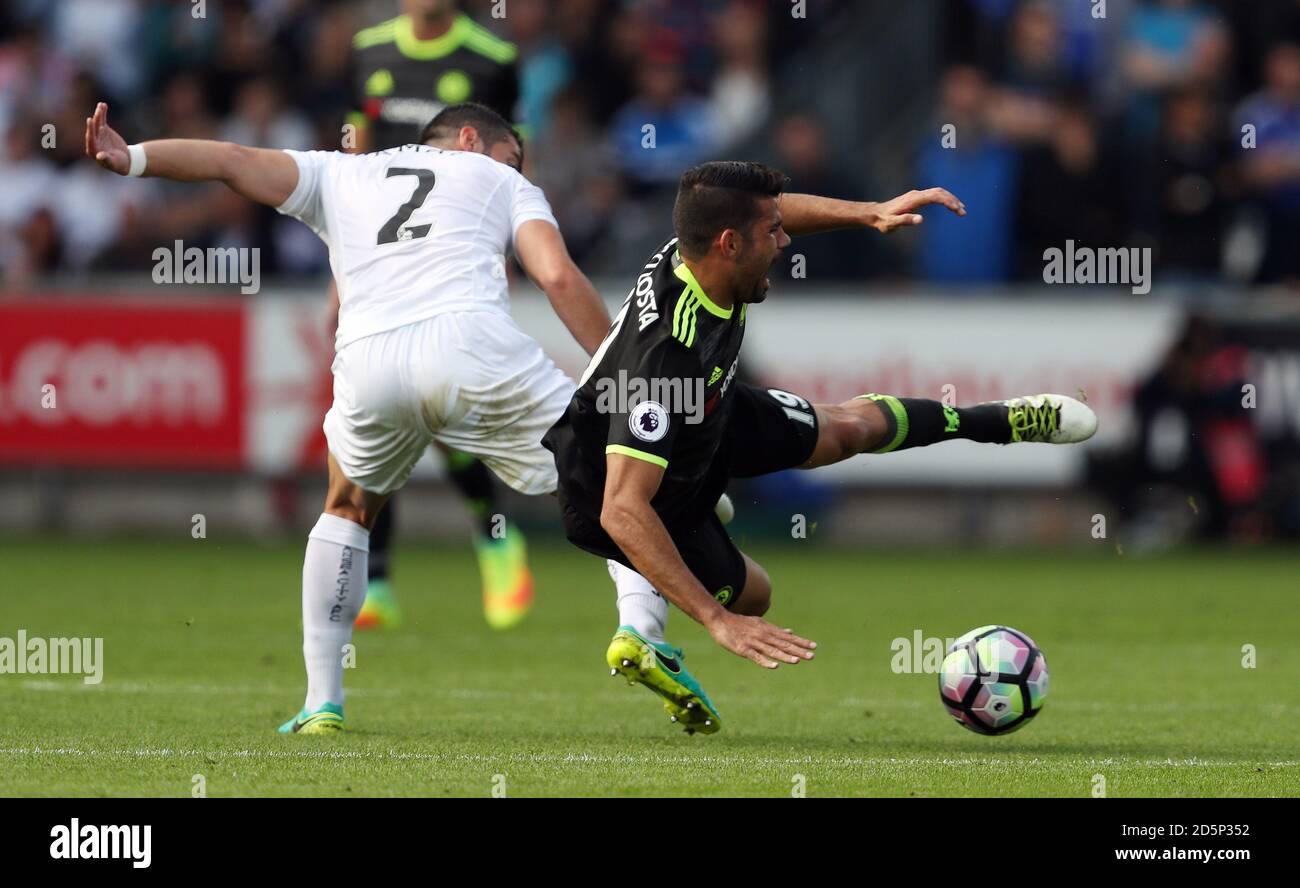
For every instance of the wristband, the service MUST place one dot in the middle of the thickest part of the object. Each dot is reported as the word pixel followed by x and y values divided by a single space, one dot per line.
pixel 138 160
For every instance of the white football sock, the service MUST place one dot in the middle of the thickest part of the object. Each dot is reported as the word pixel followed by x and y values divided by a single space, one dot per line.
pixel 333 590
pixel 639 605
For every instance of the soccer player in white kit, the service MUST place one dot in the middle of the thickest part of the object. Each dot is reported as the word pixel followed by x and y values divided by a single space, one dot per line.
pixel 426 348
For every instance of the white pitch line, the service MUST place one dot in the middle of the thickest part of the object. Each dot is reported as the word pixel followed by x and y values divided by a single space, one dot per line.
pixel 622 759
pixel 76 686
pixel 1102 706
pixel 130 687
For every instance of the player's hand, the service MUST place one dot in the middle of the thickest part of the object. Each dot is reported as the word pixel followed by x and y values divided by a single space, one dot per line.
pixel 902 210
pixel 104 144
pixel 760 641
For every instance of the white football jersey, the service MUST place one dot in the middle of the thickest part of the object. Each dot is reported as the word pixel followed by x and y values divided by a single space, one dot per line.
pixel 413 232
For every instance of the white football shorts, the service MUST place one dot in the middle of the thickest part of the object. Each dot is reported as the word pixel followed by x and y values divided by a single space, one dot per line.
pixel 472 380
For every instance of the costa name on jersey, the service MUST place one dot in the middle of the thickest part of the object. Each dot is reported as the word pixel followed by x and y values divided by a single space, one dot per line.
pixel 413 232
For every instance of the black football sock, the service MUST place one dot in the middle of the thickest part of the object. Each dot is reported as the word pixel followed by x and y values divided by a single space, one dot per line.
pixel 919 422
pixel 474 482
pixel 380 536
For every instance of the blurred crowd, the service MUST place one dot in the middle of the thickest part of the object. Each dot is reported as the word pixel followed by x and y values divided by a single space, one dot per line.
pixel 1176 127
pixel 276 73
pixel 1173 124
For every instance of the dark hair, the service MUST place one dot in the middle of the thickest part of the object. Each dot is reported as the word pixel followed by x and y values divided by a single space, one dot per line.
pixel 713 197
pixel 491 126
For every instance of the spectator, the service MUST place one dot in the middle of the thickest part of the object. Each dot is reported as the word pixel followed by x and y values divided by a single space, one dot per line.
pixel 802 154
pixel 739 102
pixel 243 51
pixel 1191 188
pixel 1170 45
pixel 1023 107
pixel 1035 63
pixel 663 129
pixel 1067 191
pixel 1271 170
pixel 260 119
pixel 976 164
pixel 544 64
pixel 323 93
pixel 102 36
pixel 33 75
pixel 172 40
pixel 572 165
pixel 605 50
pixel 27 246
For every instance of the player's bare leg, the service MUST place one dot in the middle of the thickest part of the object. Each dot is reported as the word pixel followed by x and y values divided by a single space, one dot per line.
pixel 756 597
pixel 883 423
pixel 333 590
pixel 346 500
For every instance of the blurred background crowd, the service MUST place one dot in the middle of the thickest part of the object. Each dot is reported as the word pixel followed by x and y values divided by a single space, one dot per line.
pixel 1170 124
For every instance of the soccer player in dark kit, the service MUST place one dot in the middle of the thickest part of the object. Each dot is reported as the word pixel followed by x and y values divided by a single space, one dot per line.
pixel 639 477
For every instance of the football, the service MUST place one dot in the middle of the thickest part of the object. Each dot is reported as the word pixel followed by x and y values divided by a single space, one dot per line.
pixel 993 680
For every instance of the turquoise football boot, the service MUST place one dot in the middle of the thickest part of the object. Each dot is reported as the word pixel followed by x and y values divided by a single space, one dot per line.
pixel 327 719
pixel 659 667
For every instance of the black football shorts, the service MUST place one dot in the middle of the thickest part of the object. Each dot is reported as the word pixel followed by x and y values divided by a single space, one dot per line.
pixel 769 430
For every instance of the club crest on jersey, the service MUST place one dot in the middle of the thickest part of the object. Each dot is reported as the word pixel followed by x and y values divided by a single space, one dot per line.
pixel 648 421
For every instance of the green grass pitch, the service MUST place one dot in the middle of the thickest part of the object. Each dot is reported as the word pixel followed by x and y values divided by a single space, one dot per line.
pixel 202 661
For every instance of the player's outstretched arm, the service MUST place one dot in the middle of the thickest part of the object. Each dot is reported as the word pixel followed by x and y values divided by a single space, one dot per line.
pixel 259 174
pixel 810 214
pixel 633 524
pixel 541 251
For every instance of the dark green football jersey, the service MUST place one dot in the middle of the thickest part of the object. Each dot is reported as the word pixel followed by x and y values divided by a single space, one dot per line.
pixel 656 390
pixel 401 82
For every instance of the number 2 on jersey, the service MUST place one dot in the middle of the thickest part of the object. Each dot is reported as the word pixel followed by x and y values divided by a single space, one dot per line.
pixel 392 232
